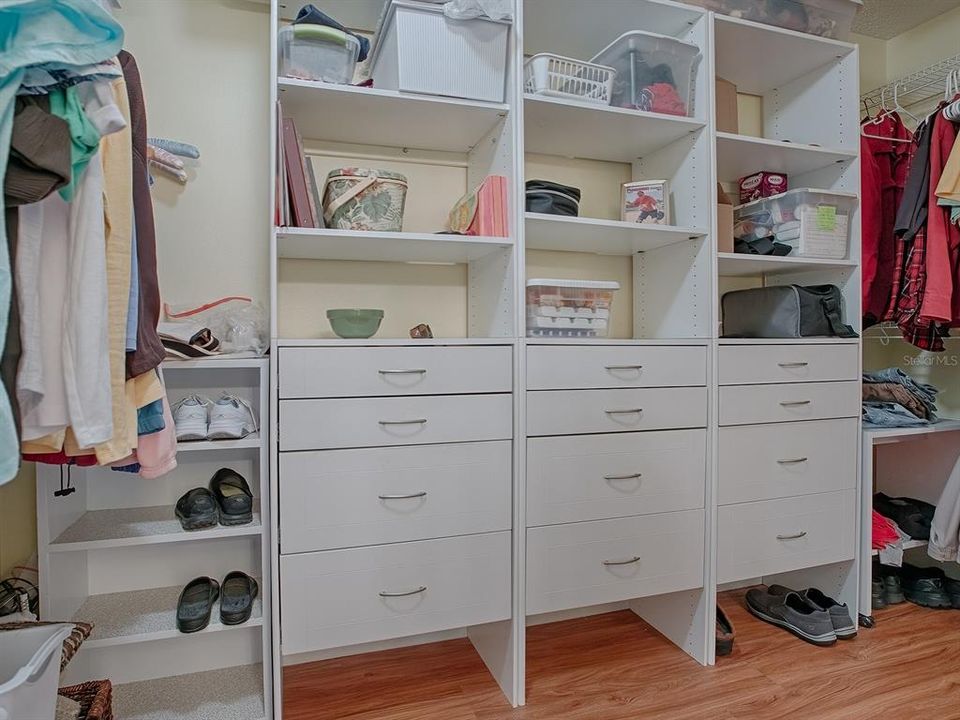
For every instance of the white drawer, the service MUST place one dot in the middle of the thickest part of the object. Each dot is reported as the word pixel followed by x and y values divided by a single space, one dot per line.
pixel 569 412
pixel 749 364
pixel 346 597
pixel 774 536
pixel 746 404
pixel 762 462
pixel 609 366
pixel 363 371
pixel 591 563
pixel 595 477
pixel 368 422
pixel 346 498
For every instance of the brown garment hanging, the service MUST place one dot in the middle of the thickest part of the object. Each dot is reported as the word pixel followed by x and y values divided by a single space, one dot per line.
pixel 149 353
pixel 39 164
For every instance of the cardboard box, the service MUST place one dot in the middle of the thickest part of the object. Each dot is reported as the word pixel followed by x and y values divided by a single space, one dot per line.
pixel 724 222
pixel 728 119
pixel 760 185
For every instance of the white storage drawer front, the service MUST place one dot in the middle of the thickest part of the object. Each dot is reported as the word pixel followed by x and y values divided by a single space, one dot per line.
pixel 561 368
pixel 346 597
pixel 746 404
pixel 595 477
pixel 750 364
pixel 347 498
pixel 762 462
pixel 366 371
pixel 370 422
pixel 590 563
pixel 571 412
pixel 774 536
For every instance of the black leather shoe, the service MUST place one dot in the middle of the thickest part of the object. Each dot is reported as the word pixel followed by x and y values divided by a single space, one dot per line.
pixel 725 633
pixel 233 497
pixel 925 586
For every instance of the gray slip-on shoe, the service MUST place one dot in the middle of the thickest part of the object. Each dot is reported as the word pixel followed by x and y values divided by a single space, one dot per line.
pixel 794 614
pixel 843 624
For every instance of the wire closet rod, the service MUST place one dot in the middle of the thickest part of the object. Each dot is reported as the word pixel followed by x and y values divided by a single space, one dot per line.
pixel 915 88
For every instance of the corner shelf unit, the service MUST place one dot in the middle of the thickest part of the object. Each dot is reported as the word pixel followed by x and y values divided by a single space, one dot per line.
pixel 565 399
pixel 113 553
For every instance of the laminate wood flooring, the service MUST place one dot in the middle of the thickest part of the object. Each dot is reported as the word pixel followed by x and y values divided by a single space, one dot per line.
pixel 615 667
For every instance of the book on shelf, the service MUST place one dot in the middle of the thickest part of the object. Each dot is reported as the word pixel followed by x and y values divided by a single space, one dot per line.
pixel 483 211
pixel 301 201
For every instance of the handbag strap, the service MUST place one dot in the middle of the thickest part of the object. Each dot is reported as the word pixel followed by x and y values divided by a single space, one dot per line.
pixel 334 205
pixel 831 310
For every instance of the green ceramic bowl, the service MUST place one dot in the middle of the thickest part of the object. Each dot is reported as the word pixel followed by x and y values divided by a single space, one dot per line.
pixel 354 323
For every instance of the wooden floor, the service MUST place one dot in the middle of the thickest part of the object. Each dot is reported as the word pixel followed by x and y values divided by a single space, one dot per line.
pixel 615 667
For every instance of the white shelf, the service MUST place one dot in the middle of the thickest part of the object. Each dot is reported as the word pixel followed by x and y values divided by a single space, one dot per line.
pixel 367 116
pixel 229 694
pixel 390 342
pixel 603 237
pixel 741 155
pixel 549 28
pixel 218 362
pixel 638 342
pixel 742 264
pixel 125 527
pixel 580 130
pixel 758 58
pixel 790 341
pixel 907 545
pixel 323 244
pixel 136 616
pixel 250 442
pixel 879 436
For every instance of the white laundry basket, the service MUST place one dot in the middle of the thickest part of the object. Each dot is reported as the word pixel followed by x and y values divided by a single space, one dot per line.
pixel 30 670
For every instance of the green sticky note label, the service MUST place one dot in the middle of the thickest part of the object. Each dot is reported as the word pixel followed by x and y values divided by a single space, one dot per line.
pixel 827 217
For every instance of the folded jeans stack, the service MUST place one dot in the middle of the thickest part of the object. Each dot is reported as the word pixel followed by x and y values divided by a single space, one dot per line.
pixel 891 398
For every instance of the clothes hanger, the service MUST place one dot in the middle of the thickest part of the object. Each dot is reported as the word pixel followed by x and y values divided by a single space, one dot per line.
pixel 887 112
pixel 898 108
pixel 952 111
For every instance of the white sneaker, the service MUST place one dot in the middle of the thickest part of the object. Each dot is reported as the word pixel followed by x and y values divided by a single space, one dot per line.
pixel 190 418
pixel 231 418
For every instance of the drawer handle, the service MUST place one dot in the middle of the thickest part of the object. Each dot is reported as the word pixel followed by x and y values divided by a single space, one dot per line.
pixel 631 561
pixel 634 476
pixel 411 496
pixel 419 371
pixel 792 461
pixel 624 367
pixel 795 403
pixel 634 411
pixel 418 421
pixel 408 593
pixel 796 536
pixel 793 364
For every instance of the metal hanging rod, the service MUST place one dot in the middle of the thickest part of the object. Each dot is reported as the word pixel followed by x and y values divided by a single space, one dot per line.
pixel 915 88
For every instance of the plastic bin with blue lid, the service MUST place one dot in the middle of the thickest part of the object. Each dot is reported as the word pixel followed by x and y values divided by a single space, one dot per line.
pixel 318 52
pixel 655 73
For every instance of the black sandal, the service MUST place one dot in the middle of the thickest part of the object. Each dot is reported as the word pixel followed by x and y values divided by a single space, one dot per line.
pixel 196 604
pixel 236 598
pixel 233 497
pixel 197 509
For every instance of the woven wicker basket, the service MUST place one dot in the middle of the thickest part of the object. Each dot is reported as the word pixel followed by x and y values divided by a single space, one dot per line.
pixel 95 698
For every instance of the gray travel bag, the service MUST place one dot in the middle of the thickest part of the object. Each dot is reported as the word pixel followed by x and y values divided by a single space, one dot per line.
pixel 785 311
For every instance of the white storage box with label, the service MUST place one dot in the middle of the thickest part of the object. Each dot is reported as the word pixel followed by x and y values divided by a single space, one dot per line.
pixel 569 308
pixel 418 49
pixel 826 18
pixel 655 73
pixel 815 223
pixel 317 52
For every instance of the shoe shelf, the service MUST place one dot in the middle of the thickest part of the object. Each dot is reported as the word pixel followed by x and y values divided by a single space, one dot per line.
pixel 907 545
pixel 144 615
pixel 604 237
pixel 234 693
pixel 368 116
pixel 124 527
pixel 882 436
pixel 251 441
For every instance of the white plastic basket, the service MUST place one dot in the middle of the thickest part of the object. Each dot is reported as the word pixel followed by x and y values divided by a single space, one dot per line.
pixel 29 671
pixel 558 76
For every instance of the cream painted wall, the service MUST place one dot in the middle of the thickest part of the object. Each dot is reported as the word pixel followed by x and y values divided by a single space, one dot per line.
pixel 934 40
pixel 873 61
pixel 205 66
pixel 18 519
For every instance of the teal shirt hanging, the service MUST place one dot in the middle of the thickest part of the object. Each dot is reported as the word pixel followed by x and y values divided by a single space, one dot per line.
pixel 84 137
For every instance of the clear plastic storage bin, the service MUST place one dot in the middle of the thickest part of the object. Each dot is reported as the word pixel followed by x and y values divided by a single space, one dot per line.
pixel 317 52
pixel 815 223
pixel 569 308
pixel 418 49
pixel 655 73
pixel 826 18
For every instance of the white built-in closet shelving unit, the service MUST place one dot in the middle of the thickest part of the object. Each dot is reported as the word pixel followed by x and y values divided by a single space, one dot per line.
pixel 529 528
pixel 113 553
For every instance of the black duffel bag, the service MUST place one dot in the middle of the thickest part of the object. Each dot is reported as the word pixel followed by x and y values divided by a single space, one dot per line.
pixel 552 198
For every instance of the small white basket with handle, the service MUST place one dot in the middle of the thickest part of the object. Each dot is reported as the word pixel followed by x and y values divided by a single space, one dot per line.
pixel 557 76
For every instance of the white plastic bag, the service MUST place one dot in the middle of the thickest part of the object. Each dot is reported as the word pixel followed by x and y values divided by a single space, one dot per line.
pixel 237 322
pixel 469 9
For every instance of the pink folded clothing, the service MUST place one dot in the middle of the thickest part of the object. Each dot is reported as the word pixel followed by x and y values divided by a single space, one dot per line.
pixel 157 452
pixel 884 531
